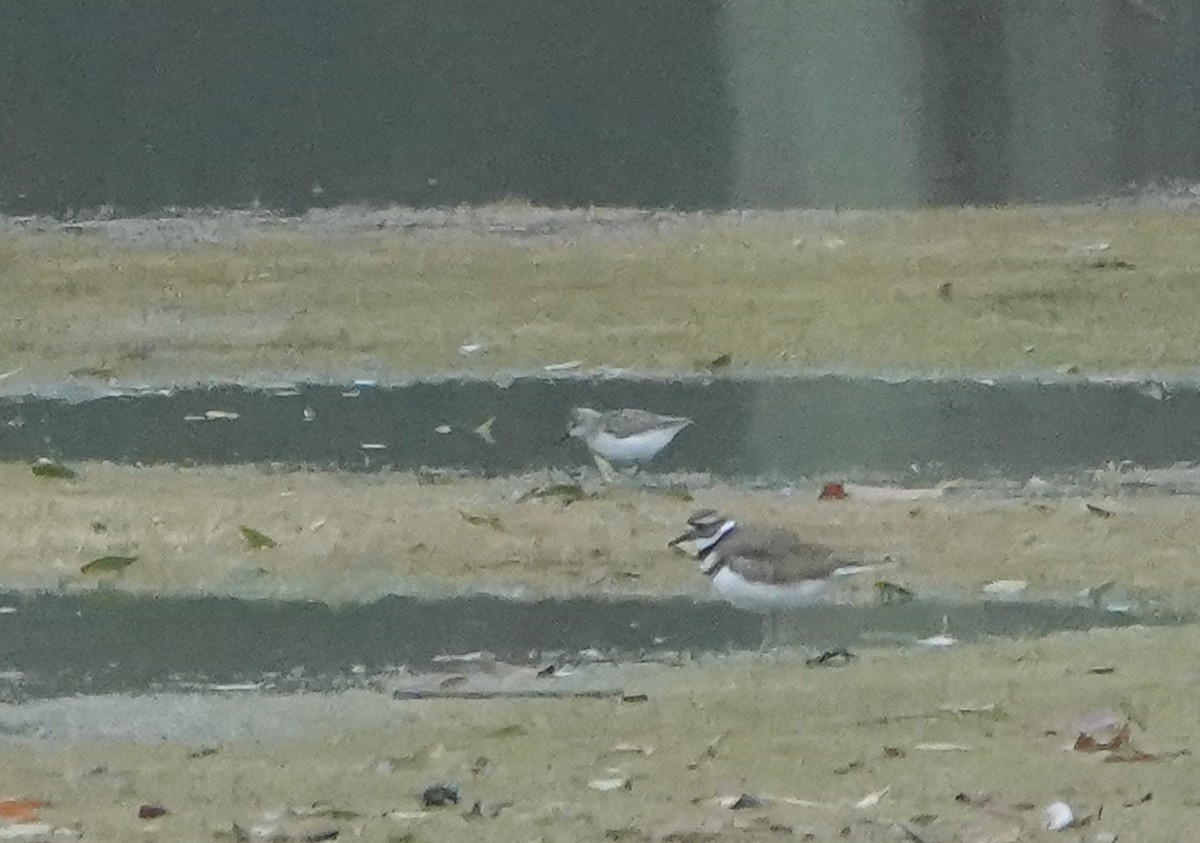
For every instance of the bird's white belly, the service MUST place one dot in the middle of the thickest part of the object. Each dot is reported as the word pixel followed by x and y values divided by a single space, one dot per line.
pixel 753 595
pixel 636 448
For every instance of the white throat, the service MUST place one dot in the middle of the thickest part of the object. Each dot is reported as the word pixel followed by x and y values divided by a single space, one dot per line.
pixel 708 551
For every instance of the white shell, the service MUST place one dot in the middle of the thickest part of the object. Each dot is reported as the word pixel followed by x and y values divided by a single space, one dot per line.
pixel 1004 588
pixel 619 783
pixel 1059 816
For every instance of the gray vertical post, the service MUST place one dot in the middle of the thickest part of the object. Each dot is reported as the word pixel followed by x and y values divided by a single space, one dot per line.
pixel 827 97
pixel 1061 144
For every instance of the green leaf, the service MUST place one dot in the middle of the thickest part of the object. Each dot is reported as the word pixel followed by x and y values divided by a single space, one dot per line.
pixel 53 470
pixel 492 521
pixel 256 540
pixel 511 730
pixel 105 564
pixel 890 594
pixel 569 492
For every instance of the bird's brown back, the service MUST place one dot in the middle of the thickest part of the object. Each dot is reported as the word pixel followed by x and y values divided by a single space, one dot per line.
pixel 777 556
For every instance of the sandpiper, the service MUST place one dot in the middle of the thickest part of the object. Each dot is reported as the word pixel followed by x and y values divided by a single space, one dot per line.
pixel 624 436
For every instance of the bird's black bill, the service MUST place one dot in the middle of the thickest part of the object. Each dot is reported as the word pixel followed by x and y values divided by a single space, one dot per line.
pixel 690 535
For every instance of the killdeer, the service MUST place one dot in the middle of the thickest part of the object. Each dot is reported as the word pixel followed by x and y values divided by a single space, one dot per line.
pixel 624 436
pixel 762 568
pixel 766 569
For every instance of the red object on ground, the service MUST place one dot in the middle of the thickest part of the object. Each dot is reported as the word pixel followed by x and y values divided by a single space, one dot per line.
pixel 832 492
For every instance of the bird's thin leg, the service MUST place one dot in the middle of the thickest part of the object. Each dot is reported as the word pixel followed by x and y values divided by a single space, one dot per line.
pixel 607 474
pixel 771 626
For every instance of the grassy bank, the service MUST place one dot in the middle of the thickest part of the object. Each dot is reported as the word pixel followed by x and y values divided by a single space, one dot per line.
pixel 1012 289
pixel 356 536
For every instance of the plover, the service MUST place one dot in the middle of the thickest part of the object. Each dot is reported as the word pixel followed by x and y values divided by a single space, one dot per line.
pixel 624 436
pixel 766 569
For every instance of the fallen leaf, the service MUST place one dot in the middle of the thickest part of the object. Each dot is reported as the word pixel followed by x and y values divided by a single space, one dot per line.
pixel 968 708
pixel 256 540
pixel 1099 511
pixel 53 470
pixel 492 521
pixel 607 785
pixel 1110 263
pixel 720 361
pixel 484 431
pixel 1088 743
pixel 636 749
pixel 832 492
pixel 20 810
pixel 831 658
pixel 1130 754
pixel 439 795
pixel 20 831
pixel 891 594
pixel 1004 588
pixel 106 564
pixel 872 799
pixel 568 492
pixel 102 371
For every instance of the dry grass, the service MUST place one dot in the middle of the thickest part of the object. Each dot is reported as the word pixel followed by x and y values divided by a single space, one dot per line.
pixel 717 729
pixel 772 291
pixel 358 536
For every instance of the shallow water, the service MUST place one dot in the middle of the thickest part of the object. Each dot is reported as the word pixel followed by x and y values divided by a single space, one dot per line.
pixel 920 430
pixel 61 645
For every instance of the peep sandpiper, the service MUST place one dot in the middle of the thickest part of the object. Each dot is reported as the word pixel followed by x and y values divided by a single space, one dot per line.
pixel 624 436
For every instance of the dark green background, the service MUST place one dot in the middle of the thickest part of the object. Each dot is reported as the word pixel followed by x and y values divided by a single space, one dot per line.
pixel 142 105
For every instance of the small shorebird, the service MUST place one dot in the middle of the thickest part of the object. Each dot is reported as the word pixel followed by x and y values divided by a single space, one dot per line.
pixel 766 569
pixel 624 436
